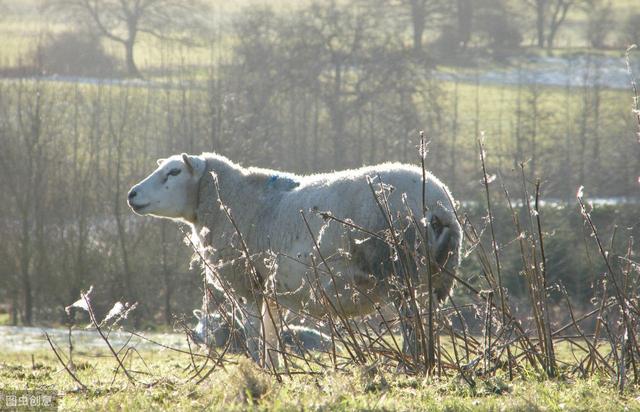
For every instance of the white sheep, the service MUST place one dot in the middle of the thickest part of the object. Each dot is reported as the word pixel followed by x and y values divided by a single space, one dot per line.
pixel 212 330
pixel 215 331
pixel 352 266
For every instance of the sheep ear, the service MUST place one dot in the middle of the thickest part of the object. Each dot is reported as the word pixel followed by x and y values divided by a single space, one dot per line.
pixel 160 161
pixel 195 164
pixel 187 161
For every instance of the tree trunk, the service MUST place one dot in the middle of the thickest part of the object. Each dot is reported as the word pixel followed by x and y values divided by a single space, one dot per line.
pixel 465 21
pixel 540 8
pixel 132 69
pixel 337 121
pixel 595 157
pixel 14 308
pixel 418 19
pixel 25 259
pixel 476 120
pixel 454 141
pixel 316 132
pixel 518 136
pixel 584 129
pixel 558 17
pixel 28 300
pixel 372 134
pixel 337 114
pixel 551 37
pixel 535 96
pixel 567 165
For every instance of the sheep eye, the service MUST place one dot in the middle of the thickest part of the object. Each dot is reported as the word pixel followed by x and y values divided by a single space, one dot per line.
pixel 174 172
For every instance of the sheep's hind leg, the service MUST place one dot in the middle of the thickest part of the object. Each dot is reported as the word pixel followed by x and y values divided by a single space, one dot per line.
pixel 409 336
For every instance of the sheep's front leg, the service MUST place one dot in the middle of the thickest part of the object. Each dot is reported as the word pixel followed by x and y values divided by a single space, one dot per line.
pixel 251 325
pixel 271 343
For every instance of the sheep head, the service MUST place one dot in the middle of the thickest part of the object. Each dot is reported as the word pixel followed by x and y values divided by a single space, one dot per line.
pixel 170 191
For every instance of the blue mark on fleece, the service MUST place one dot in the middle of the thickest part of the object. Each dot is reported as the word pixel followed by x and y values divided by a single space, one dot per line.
pixel 282 182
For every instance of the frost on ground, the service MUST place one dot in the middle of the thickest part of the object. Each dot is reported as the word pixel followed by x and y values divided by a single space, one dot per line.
pixel 27 339
pixel 572 71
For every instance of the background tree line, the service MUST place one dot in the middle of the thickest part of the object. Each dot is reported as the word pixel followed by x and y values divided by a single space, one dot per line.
pixel 326 86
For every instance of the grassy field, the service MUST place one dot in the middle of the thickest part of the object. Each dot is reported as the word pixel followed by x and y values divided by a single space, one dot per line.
pixel 485 107
pixel 23 24
pixel 164 384
pixel 549 117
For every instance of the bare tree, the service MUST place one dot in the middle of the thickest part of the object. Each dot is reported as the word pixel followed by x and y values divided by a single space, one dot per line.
pixel 464 19
pixel 631 29
pixel 26 158
pixel 123 20
pixel 550 15
pixel 540 7
pixel 356 62
pixel 421 13
pixel 559 9
pixel 600 22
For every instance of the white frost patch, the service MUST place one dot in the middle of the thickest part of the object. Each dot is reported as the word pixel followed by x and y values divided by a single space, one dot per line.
pixel 29 339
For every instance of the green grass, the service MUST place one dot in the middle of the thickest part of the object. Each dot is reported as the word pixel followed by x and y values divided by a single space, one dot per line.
pixel 23 23
pixel 242 386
